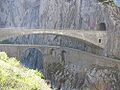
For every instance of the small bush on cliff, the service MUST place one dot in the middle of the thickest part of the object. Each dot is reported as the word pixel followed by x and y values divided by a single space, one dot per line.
pixel 14 76
pixel 6 42
pixel 109 2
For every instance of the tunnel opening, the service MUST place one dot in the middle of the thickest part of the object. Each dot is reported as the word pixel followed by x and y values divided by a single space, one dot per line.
pixel 101 27
pixel 32 58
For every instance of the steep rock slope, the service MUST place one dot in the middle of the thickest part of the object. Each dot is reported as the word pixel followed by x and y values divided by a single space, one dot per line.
pixel 55 14
pixel 113 45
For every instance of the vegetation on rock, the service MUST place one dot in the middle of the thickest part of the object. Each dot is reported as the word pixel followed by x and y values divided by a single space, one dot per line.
pixel 109 2
pixel 13 76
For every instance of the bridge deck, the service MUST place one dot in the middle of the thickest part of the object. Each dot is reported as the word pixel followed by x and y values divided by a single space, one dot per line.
pixel 97 38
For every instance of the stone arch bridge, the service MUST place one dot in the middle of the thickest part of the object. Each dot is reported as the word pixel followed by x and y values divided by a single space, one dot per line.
pixel 57 54
pixel 56 59
pixel 97 38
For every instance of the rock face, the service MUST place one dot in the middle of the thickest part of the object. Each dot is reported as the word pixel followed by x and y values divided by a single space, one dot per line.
pixel 102 78
pixel 75 77
pixel 55 14
pixel 113 46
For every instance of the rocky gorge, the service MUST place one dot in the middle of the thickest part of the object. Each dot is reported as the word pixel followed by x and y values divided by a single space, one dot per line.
pixel 68 15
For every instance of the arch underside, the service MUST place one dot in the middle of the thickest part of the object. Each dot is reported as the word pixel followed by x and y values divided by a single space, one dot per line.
pixel 22 35
pixel 32 58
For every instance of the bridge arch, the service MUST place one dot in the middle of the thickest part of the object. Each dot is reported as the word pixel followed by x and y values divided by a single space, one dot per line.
pixel 54 40
pixel 32 58
pixel 90 37
pixel 6 40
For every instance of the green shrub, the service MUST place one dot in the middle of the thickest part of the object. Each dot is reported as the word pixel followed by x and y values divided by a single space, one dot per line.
pixel 109 2
pixel 3 56
pixel 13 76
pixel 39 73
pixel 5 42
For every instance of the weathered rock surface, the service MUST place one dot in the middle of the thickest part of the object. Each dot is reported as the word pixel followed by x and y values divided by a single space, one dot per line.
pixel 55 14
pixel 102 78
pixel 113 45
pixel 75 77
